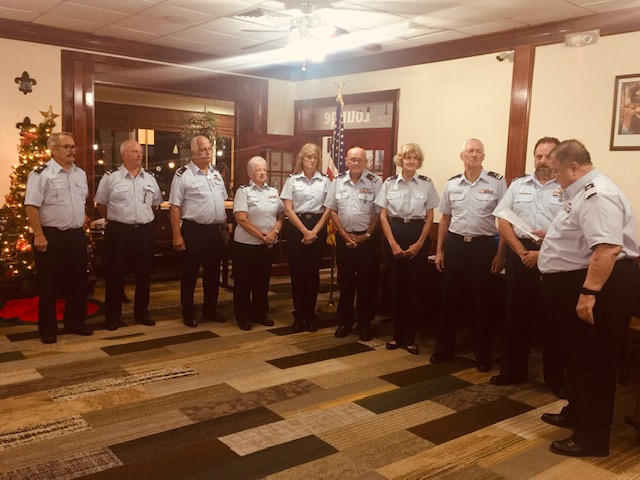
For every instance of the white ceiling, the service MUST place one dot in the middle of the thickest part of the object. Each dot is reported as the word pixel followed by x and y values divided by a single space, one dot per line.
pixel 215 27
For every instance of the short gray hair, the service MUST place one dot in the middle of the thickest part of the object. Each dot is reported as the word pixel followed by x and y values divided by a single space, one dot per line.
pixel 251 164
pixel 54 138
pixel 468 141
pixel 125 144
pixel 193 146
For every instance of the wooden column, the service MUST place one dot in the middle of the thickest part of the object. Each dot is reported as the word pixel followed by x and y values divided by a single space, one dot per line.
pixel 519 113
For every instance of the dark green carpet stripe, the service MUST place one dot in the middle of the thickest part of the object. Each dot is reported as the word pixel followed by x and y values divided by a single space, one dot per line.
pixel 328 322
pixel 199 433
pixel 417 392
pixel 319 355
pixel 453 426
pixel 268 461
pixel 427 372
pixel 11 356
pixel 158 343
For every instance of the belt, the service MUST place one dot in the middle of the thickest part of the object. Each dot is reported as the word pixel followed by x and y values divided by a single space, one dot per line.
pixel 128 225
pixel 469 239
pixel 218 226
pixel 357 233
pixel 309 216
pixel 56 229
pixel 406 220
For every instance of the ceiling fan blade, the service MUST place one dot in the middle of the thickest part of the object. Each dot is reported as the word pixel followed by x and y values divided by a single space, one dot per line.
pixel 263 31
pixel 372 47
pixel 258 45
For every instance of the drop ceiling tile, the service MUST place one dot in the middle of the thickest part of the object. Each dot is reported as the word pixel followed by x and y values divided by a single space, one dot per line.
pixel 86 13
pixel 202 36
pixel 412 8
pixel 456 18
pixel 68 23
pixel 174 42
pixel 155 27
pixel 490 27
pixel 126 34
pixel 552 15
pixel 127 7
pixel 610 5
pixel 215 9
pixel 229 26
pixel 37 6
pixel 20 15
pixel 181 16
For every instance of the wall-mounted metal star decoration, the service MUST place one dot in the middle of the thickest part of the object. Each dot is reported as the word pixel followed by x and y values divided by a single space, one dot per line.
pixel 25 83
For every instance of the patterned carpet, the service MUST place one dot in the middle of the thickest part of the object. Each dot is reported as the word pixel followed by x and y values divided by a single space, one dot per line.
pixel 169 402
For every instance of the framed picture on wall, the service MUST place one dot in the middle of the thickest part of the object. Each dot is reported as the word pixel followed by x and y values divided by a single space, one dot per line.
pixel 625 126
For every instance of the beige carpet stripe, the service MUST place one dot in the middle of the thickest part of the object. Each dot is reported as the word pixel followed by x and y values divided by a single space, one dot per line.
pixel 326 398
pixel 278 376
pixel 456 454
pixel 265 436
pixel 574 468
pixel 528 425
pixel 37 358
pixel 41 431
pixel 19 376
pixel 387 423
pixel 111 384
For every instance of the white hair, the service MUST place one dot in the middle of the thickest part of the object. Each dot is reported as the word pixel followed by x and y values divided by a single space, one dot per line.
pixel 252 163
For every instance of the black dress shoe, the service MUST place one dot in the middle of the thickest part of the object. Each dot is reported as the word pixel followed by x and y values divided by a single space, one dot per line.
pixel 244 326
pixel 412 349
pixel 557 419
pixel 440 358
pixel 560 392
pixel 501 380
pixel 483 367
pixel 146 320
pixel 111 326
pixel 311 326
pixel 48 339
pixel 365 333
pixel 572 448
pixel 266 321
pixel 342 331
pixel 297 326
pixel 82 331
pixel 190 322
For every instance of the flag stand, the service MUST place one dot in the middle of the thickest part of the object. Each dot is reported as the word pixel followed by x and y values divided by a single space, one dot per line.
pixel 330 307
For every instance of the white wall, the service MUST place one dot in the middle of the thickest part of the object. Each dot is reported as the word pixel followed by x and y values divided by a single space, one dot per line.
pixel 572 97
pixel 42 62
pixel 441 105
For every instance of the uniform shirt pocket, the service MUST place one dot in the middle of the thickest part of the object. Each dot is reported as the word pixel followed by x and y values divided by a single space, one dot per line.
pixel 523 198
pixel 57 191
pixel 556 200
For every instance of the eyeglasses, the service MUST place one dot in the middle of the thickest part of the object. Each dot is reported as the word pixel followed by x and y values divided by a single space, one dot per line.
pixel 355 160
pixel 68 148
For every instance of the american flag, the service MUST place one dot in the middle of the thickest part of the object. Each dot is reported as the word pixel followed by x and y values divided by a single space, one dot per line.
pixel 337 166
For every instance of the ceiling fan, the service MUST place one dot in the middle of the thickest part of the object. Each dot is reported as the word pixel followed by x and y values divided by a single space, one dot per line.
pixel 309 26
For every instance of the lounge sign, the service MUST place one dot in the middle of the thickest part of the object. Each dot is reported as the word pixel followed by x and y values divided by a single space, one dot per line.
pixel 358 116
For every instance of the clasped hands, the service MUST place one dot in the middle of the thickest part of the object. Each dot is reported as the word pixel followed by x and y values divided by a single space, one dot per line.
pixel 352 240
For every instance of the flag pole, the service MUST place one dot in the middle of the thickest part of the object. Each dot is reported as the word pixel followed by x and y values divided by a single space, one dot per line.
pixel 337 156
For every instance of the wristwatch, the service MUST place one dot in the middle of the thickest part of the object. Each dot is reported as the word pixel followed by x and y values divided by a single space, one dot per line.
pixel 587 291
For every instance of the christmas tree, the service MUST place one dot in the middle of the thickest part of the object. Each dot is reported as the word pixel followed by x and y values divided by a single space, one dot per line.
pixel 16 257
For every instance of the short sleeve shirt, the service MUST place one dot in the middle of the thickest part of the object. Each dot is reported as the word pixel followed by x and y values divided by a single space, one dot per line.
pixel 471 205
pixel 60 195
pixel 262 205
pixel 407 199
pixel 307 196
pixel 200 195
pixel 354 202
pixel 129 199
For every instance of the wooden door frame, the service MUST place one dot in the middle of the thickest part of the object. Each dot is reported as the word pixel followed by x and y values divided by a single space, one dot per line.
pixel 82 71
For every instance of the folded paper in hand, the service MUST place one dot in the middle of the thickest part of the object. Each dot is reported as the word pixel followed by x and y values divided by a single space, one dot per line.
pixel 511 217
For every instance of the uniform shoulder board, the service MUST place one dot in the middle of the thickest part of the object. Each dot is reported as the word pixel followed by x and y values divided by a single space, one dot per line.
pixel 40 169
pixel 113 170
pixel 392 177
pixel 520 176
pixel 590 190
pixel 181 170
pixel 153 174
pixel 455 176
pixel 496 175
pixel 342 174
pixel 425 178
pixel 372 177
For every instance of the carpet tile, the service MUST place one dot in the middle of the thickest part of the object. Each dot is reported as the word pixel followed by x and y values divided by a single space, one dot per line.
pixel 216 402
pixel 91 388
pixel 453 426
pixel 319 355
pixel 401 397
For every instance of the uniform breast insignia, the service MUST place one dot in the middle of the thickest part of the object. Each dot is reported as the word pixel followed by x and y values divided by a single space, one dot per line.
pixel 373 178
pixel 557 192
pixel 392 177
pixel 590 190
pixel 181 170
pixel 40 169
pixel 496 175
pixel 425 178
pixel 454 177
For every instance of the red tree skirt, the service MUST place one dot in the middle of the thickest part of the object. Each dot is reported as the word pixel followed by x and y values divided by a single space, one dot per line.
pixel 26 309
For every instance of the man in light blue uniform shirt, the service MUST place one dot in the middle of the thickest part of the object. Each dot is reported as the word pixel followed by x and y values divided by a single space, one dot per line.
pixel 128 197
pixel 590 275
pixel 199 226
pixel 355 217
pixel 536 198
pixel 467 254
pixel 55 205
